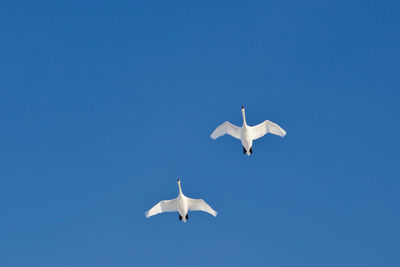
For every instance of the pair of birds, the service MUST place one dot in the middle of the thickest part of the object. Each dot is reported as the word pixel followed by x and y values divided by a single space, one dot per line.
pixel 246 134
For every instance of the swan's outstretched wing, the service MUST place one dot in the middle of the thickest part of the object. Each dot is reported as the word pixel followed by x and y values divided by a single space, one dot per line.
pixel 266 127
pixel 163 206
pixel 199 204
pixel 226 128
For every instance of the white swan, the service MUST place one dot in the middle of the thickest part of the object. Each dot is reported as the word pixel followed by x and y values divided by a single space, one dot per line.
pixel 182 204
pixel 246 134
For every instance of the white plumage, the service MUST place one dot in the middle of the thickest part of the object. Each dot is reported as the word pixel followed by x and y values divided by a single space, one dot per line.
pixel 182 204
pixel 246 134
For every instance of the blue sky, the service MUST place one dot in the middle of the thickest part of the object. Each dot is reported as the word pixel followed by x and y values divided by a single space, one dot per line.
pixel 104 105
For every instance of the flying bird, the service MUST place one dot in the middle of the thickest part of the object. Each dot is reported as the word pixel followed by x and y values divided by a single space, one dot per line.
pixel 246 134
pixel 182 204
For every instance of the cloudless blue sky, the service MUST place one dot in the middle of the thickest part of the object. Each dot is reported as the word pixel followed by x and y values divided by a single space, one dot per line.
pixel 104 104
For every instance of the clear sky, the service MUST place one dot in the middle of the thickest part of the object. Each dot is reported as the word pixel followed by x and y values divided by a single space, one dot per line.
pixel 104 104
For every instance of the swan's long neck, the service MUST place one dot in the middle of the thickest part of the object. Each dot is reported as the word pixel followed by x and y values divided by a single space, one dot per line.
pixel 180 189
pixel 244 117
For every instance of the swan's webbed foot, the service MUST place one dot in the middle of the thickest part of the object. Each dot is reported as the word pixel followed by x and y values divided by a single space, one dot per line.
pixel 244 150
pixel 251 150
pixel 180 217
pixel 187 216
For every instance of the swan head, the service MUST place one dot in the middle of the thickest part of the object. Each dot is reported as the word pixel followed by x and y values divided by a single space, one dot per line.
pixel 179 181
pixel 242 107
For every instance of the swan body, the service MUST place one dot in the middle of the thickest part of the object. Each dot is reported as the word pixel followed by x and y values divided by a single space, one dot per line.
pixel 246 134
pixel 182 204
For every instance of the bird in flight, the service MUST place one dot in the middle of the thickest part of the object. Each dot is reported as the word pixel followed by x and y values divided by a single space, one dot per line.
pixel 246 134
pixel 182 204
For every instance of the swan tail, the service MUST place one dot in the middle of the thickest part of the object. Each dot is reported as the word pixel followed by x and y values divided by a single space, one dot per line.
pixel 184 219
pixel 248 153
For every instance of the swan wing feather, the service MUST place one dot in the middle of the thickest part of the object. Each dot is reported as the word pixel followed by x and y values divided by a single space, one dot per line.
pixel 266 127
pixel 199 204
pixel 163 206
pixel 226 128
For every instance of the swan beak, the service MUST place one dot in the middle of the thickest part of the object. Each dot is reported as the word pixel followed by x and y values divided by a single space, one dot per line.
pixel 179 181
pixel 242 107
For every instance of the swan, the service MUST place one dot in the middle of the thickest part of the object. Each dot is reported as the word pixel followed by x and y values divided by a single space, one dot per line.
pixel 246 134
pixel 182 204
